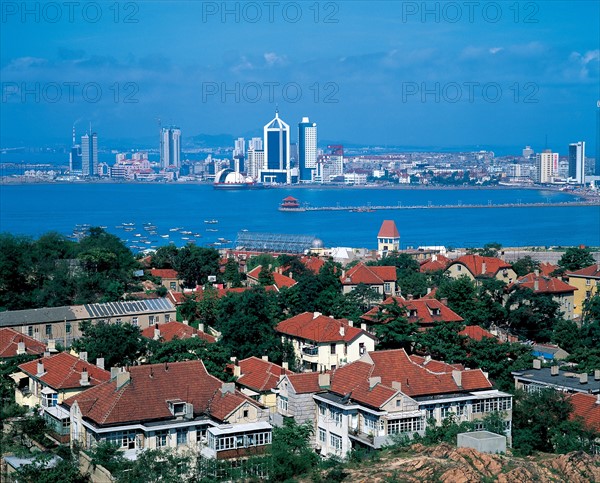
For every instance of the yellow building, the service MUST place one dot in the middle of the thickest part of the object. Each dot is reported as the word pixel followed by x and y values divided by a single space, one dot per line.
pixel 587 282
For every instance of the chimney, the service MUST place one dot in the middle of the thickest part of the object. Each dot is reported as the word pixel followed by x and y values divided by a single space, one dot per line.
pixel 83 356
pixel 227 387
pixel 46 354
pixel 373 381
pixel 316 314
pixel 85 378
pixel 350 323
pixel 598 399
pixel 409 296
pixel 156 333
pixel 596 374
pixel 363 326
pixel 324 380
pixel 237 370
pixel 536 272
pixel 445 301
pixel 113 372
pixel 427 360
pixel 186 322
pixel 342 331
pixel 122 379
pixel 285 365
pixel 40 368
pixel 397 385
pixel 291 275
pixel 434 258
pixel 51 347
pixel 201 327
pixel 428 290
pixel 536 285
pixel 265 358
pixel 21 348
pixel 583 378
pixel 483 268
pixel 554 370
pixel 343 274
pixel 457 376
pixel 537 364
pixel 100 362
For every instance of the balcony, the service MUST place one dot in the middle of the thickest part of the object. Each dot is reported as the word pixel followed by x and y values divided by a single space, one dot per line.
pixel 310 350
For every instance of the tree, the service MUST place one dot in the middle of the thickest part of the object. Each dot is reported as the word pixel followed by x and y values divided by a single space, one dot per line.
pixel 264 259
pixel 165 257
pixel 65 471
pixel 525 265
pixel 291 452
pixel 575 258
pixel 532 315
pixel 118 344
pixel 195 264
pixel 232 273
pixel 443 342
pixel 488 250
pixel 265 277
pixel 394 330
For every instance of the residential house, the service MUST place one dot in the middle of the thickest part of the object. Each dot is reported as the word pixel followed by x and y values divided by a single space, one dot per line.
pixel 62 323
pixel 549 352
pixel 381 279
pixel 176 330
pixel 295 396
pixel 169 278
pixel 388 238
pixel 279 279
pixel 565 380
pixel 426 312
pixel 48 381
pixel 476 267
pixel 561 292
pixel 587 283
pixel 587 408
pixel 175 405
pixel 436 263
pixel 323 343
pixel 475 332
pixel 256 378
pixel 389 393
pixel 13 343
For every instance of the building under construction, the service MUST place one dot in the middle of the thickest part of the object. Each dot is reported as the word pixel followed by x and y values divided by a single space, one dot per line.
pixel 276 242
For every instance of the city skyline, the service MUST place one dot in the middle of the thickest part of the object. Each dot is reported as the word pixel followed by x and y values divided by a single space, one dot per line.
pixel 394 86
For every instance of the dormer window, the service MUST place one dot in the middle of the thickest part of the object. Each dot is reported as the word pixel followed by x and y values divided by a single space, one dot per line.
pixel 435 311
pixel 412 313
pixel 178 407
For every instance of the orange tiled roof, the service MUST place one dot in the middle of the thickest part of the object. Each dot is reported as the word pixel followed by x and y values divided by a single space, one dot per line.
pixel 145 396
pixel 280 280
pixel 435 263
pixel 388 230
pixel 547 268
pixel 423 311
pixel 369 275
pixel 544 284
pixel 63 371
pixel 9 342
pixel 319 328
pixel 260 375
pixel 586 406
pixel 474 264
pixel 306 382
pixel 593 271
pixel 476 333
pixel 164 273
pixel 176 330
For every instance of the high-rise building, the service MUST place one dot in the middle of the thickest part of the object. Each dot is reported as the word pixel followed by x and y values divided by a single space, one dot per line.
pixel 307 149
pixel 597 160
pixel 276 167
pixel 75 157
pixel 527 152
pixel 89 154
pixel 547 166
pixel 254 162
pixel 239 148
pixel 577 162
pixel 256 144
pixel 170 147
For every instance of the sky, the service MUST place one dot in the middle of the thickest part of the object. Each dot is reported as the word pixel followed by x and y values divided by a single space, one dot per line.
pixel 488 75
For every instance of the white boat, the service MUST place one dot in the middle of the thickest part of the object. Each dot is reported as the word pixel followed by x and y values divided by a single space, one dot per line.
pixel 211 222
pixel 165 236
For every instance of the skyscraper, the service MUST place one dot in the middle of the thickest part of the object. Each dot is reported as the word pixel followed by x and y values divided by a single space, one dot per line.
pixel 89 154
pixel 170 147
pixel 307 149
pixel 75 157
pixel 277 167
pixel 547 166
pixel 256 144
pixel 577 162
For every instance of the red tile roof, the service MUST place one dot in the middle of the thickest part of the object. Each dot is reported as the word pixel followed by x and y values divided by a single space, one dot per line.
pixel 178 297
pixel 176 330
pixel 9 343
pixel 63 371
pixel 164 273
pixel 145 396
pixel 306 382
pixel 476 333
pixel 592 271
pixel 314 264
pixel 260 375
pixel 474 264
pixel 547 268
pixel 280 280
pixel 369 275
pixel 587 407
pixel 388 230
pixel 319 328
pixel 544 284
pixel 422 311
pixel 435 263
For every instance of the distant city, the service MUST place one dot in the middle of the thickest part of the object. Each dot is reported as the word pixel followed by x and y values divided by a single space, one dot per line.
pixel 274 159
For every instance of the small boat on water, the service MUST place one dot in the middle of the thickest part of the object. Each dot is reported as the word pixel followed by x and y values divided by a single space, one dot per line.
pixel 174 229
pixel 197 235
pixel 165 236
pixel 186 232
pixel 211 222
pixel 211 229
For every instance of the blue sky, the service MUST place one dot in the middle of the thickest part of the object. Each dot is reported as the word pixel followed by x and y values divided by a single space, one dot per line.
pixel 439 74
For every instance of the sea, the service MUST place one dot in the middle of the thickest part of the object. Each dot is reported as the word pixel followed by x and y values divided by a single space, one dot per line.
pixel 173 208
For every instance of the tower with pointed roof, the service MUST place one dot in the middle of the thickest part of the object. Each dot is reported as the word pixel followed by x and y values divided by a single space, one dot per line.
pixel 388 238
pixel 276 167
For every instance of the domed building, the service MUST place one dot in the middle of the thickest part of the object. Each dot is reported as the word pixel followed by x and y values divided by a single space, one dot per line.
pixel 230 179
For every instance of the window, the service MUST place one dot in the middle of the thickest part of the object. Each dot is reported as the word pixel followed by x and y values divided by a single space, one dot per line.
pixel 588 294
pixel 430 411
pixel 446 410
pixel 30 331
pixel 151 320
pixel 361 348
pixel 167 318
pixel 118 321
pixel 322 409
pixel 182 436
pixel 322 435
pixel 178 408
pixel 225 442
pixel 370 424
pixel 123 439
pixel 48 330
pixel 336 416
pixel 408 425
pixel 259 439
pixel 459 268
pixel 283 403
pixel 387 287
pixel 492 405
pixel 588 281
pixel 68 328
pixel 200 434
pixel 332 348
pixel 161 438
pixel 49 400
pixel 245 413
pixel 336 442
pixel 134 321
pixel 173 285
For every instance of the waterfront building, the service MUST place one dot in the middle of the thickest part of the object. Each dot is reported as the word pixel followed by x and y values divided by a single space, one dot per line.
pixel 276 167
pixel 329 167
pixel 388 238
pixel 170 147
pixel 307 149
pixel 547 166
pixel 577 162
pixel 254 162
pixel 89 154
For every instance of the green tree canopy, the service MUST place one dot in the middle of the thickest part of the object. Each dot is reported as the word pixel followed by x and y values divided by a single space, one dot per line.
pixel 195 264
pixel 525 265
pixel 575 258
pixel 291 452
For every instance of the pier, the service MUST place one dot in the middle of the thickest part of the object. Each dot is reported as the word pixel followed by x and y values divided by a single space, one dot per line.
pixel 431 206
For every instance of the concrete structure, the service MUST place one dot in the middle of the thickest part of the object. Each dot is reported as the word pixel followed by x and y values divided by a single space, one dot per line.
pixel 482 441
pixel 587 283
pixel 276 167
pixel 565 380
pixel 577 162
pixel 388 238
pixel 170 147
pixel 89 154
pixel 307 149
pixel 547 166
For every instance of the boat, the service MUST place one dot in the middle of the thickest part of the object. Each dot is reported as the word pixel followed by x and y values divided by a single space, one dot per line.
pixel 186 232
pixel 165 236
pixel 211 222
pixel 174 229
pixel 185 238
pixel 197 235
pixel 211 229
